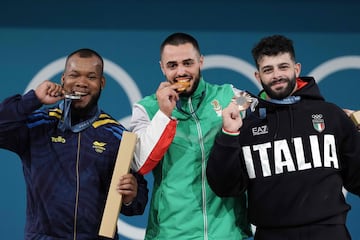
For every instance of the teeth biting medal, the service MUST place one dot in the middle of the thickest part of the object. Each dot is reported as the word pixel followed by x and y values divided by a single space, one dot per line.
pixel 183 85
pixel 74 95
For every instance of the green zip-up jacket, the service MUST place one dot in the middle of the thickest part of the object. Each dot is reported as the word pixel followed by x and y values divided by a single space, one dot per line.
pixel 183 206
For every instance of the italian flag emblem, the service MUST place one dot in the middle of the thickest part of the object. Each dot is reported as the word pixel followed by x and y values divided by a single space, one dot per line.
pixel 318 122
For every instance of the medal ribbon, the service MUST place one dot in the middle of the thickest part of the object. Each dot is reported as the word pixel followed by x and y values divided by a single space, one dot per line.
pixel 65 122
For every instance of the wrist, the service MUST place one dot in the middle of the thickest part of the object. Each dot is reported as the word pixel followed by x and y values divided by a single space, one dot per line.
pixel 230 132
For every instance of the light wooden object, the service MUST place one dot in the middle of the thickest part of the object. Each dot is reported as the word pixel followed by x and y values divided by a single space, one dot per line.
pixel 355 117
pixel 114 199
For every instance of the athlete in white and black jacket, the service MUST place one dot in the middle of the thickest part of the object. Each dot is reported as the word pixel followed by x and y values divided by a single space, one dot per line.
pixel 293 154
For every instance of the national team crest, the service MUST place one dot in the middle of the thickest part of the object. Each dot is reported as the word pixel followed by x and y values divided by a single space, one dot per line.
pixel 217 107
pixel 318 122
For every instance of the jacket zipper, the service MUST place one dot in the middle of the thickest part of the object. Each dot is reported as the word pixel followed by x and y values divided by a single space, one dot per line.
pixel 77 186
pixel 203 190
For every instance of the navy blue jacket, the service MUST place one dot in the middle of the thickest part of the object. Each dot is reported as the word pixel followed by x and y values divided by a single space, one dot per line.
pixel 67 174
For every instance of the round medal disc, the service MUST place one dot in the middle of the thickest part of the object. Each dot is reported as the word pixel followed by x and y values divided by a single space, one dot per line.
pixel 243 101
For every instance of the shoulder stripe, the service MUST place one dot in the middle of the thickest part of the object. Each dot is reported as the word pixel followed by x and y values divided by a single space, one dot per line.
pixel 55 114
pixel 116 130
pixel 104 119
pixel 104 115
pixel 102 122
pixel 42 117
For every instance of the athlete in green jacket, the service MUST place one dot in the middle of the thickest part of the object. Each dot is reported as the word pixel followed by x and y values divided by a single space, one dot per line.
pixel 176 128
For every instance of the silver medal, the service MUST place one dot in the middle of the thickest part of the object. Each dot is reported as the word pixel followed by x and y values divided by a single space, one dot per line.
pixel 243 100
pixel 73 96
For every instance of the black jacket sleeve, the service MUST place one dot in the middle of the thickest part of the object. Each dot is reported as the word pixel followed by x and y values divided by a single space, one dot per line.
pixel 225 172
pixel 137 207
pixel 350 155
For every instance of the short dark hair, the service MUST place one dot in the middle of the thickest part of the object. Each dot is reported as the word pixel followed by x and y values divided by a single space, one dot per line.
pixel 86 53
pixel 272 46
pixel 179 38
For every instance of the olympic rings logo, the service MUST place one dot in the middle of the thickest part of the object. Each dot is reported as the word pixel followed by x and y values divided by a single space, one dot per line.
pixel 211 61
pixel 317 116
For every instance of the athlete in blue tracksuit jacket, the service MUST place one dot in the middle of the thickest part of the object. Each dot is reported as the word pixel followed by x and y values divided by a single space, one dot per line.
pixel 67 165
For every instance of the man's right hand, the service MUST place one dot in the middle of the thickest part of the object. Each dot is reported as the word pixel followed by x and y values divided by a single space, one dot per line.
pixel 167 97
pixel 49 93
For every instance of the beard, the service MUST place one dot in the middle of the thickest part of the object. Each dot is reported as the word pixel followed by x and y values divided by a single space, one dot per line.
pixel 81 112
pixel 283 93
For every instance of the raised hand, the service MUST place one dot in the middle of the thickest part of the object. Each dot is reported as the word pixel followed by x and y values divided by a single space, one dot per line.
pixel 167 96
pixel 48 92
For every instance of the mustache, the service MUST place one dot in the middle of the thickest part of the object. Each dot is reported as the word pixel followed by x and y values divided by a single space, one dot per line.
pixel 279 80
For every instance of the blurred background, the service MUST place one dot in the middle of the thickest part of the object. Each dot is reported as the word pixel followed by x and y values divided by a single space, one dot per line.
pixel 36 36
